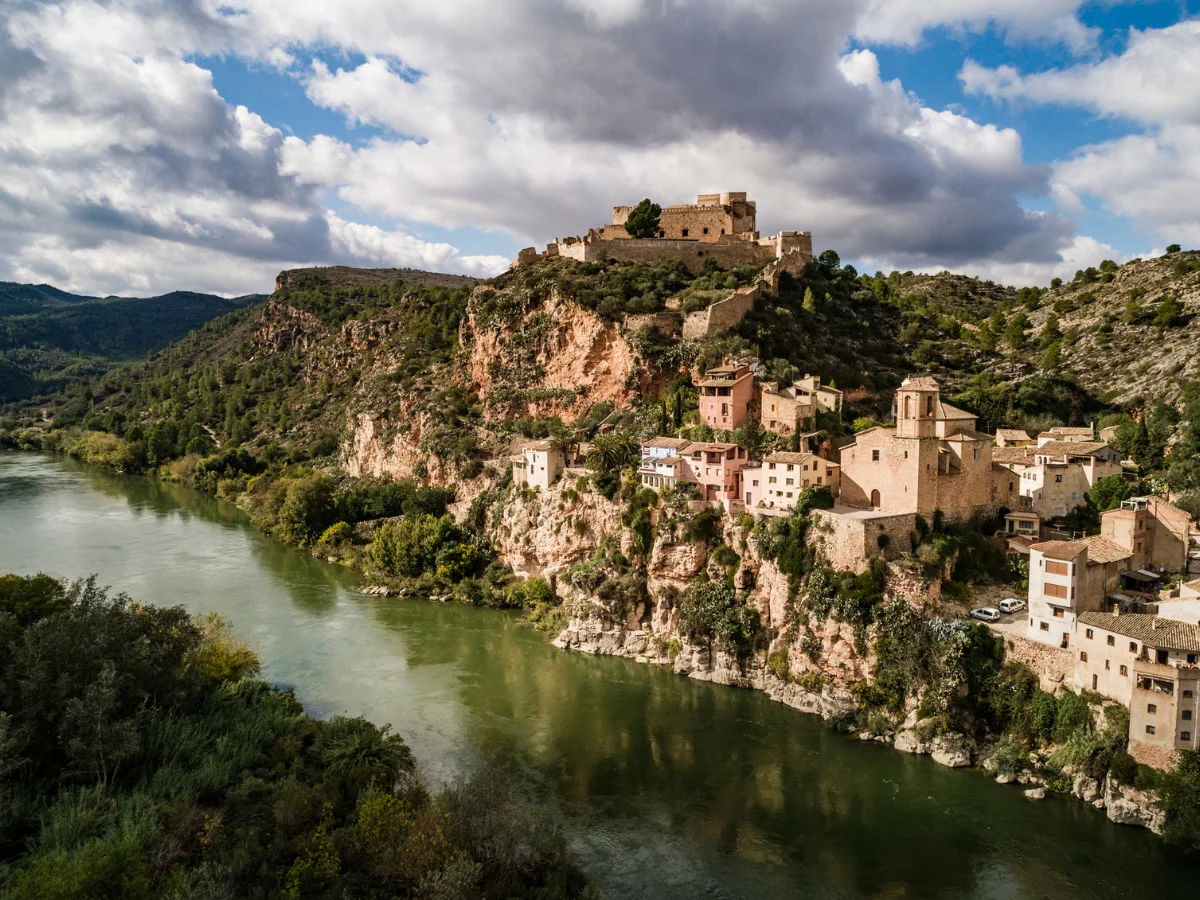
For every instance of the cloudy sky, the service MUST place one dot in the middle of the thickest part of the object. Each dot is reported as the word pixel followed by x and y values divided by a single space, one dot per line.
pixel 150 145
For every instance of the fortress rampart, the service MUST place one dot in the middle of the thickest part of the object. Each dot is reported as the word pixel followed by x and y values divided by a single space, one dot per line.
pixel 718 226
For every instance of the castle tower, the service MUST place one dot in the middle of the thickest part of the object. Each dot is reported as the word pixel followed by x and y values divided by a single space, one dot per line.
pixel 916 408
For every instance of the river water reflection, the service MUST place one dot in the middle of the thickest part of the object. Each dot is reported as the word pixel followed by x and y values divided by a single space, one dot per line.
pixel 665 787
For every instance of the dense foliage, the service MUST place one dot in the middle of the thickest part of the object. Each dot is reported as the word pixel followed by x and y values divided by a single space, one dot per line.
pixel 140 758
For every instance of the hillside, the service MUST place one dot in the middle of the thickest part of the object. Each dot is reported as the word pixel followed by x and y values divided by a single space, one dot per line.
pixel 48 336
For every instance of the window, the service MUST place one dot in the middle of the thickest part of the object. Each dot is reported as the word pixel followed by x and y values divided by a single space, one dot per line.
pixel 1089 633
pixel 1124 670
pixel 1187 715
pixel 1191 658
pixel 1054 567
pixel 771 480
pixel 1151 708
pixel 704 230
pixel 1112 641
pixel 1045 626
pixel 1132 647
pixel 1150 729
pixel 1095 681
pixel 977 453
pixel 874 456
pixel 929 406
pixel 1055 590
pixel 1083 656
pixel 1106 665
pixel 685 232
pixel 1185 735
pixel 790 481
pixel 1058 614
pixel 756 482
pixel 790 467
pixel 1187 693
pixel 1058 479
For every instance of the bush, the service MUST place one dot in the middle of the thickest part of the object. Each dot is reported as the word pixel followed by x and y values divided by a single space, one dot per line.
pixel 710 612
pixel 336 533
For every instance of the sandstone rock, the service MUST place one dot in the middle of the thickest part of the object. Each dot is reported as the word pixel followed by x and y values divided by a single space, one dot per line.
pixel 1129 806
pixel 1036 794
pixel 953 750
pixel 1085 788
pixel 1005 778
pixel 907 741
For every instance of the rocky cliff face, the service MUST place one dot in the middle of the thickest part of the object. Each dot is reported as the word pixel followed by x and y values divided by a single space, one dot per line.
pixel 528 358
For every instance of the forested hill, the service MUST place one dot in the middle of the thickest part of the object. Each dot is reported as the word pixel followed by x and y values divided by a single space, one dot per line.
pixel 48 336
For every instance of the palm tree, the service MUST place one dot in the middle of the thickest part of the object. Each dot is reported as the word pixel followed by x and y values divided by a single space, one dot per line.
pixel 613 451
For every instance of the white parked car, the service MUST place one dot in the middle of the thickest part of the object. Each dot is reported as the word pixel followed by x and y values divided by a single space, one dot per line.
pixel 1011 605
pixel 987 613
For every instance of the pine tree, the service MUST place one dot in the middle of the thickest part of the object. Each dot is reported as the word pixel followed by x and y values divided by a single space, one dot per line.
pixel 810 301
pixel 1139 447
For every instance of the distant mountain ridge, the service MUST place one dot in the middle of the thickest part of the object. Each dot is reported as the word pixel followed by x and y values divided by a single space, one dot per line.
pixel 49 336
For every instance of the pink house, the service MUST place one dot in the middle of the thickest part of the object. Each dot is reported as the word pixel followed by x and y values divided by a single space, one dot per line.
pixel 716 468
pixel 725 395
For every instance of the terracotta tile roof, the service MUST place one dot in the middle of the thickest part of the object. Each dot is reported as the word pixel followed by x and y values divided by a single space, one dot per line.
pixel 1021 539
pixel 1013 434
pixel 668 443
pixel 1021 514
pixel 946 411
pixel 724 382
pixel 540 445
pixel 785 456
pixel 1160 633
pixel 1066 429
pixel 966 434
pixel 1101 550
pixel 1194 584
pixel 1060 549
pixel 1023 456
pixel 1063 449
pixel 924 381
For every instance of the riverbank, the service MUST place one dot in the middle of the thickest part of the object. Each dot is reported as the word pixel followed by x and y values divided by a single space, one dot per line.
pixel 1123 804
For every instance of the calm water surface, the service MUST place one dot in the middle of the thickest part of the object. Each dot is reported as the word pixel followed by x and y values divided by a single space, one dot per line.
pixel 666 787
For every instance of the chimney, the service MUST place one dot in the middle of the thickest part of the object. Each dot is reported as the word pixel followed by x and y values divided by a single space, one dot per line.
pixel 1117 610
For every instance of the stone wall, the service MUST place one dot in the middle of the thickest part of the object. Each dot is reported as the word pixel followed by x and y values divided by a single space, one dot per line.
pixel 729 254
pixel 722 315
pixel 1150 755
pixel 1054 666
pixel 851 542
pixel 668 323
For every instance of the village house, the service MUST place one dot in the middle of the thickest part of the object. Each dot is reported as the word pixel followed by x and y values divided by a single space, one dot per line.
pixel 1067 578
pixel 777 481
pixel 725 395
pixel 932 459
pixel 715 468
pixel 1056 475
pixel 1082 434
pixel 538 465
pixel 786 410
pixel 661 463
pixel 1013 437
pixel 1021 531
pixel 1158 535
pixel 1150 664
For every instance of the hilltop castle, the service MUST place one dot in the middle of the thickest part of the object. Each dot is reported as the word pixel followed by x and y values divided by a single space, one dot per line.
pixel 717 226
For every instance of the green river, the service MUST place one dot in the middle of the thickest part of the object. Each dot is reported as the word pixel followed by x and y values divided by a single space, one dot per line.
pixel 666 787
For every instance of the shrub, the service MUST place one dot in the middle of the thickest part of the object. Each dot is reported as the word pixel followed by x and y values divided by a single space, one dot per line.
pixel 336 533
pixel 710 612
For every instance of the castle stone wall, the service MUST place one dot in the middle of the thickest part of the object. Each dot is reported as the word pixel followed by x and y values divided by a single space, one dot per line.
pixel 851 542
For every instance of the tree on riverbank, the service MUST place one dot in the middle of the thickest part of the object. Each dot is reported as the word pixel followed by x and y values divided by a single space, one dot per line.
pixel 141 758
